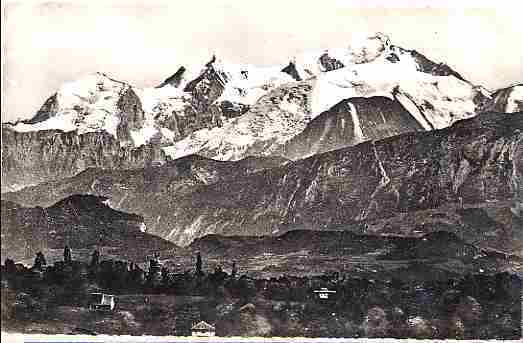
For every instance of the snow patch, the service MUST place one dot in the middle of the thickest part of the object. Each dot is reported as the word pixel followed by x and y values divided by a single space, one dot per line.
pixel 87 105
pixel 358 132
pixel 64 122
pixel 290 107
pixel 143 135
pixel 151 98
pixel 515 99
pixel 245 83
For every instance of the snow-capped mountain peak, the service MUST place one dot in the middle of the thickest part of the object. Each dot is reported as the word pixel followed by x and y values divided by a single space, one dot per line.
pixel 226 110
pixel 361 49
pixel 87 104
pixel 434 95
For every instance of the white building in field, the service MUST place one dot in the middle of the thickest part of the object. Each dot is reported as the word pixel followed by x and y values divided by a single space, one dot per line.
pixel 203 329
pixel 324 293
pixel 101 302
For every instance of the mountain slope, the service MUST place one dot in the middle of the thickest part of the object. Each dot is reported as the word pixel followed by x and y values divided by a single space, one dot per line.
pixel 436 255
pixel 101 122
pixel 134 116
pixel 137 116
pixel 29 158
pixel 351 122
pixel 336 242
pixel 476 160
pixel 506 100
pixel 277 116
pixel 81 222
pixel 148 191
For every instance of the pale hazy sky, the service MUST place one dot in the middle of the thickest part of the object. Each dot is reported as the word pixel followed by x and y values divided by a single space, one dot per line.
pixel 143 42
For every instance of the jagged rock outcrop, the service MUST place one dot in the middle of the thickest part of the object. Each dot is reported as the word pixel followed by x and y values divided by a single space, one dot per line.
pixel 229 110
pixel 30 158
pixel 48 109
pixel 208 86
pixel 175 79
pixel 427 66
pixel 130 114
pixel 330 63
pixel 292 71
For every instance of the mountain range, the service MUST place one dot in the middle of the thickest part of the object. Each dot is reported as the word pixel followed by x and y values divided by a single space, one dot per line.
pixel 371 138
pixel 194 196
pixel 227 111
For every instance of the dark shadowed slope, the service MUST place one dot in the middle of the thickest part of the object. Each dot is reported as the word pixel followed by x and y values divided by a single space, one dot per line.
pixel 350 122
pixel 473 162
pixel 79 221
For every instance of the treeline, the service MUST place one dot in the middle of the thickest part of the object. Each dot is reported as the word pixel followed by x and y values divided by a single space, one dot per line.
pixel 118 277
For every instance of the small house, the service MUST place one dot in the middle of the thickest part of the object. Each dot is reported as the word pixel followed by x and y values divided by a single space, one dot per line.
pixel 203 329
pixel 324 293
pixel 157 163
pixel 101 302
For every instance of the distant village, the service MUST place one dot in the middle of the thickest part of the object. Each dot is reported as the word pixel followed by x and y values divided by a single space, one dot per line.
pixel 200 303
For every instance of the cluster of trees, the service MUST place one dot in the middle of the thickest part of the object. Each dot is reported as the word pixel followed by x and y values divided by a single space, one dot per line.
pixel 119 276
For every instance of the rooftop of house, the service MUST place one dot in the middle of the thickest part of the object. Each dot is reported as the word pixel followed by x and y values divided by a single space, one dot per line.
pixel 200 326
pixel 324 290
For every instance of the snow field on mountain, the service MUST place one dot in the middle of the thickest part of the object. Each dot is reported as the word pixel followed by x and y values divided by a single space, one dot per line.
pixel 246 83
pixel 515 99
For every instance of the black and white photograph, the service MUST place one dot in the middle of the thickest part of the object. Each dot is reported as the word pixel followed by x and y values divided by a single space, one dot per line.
pixel 276 170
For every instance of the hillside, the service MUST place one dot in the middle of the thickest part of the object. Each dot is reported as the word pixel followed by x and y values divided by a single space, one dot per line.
pixel 82 222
